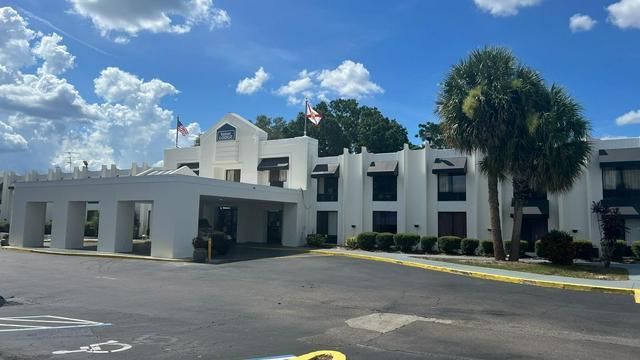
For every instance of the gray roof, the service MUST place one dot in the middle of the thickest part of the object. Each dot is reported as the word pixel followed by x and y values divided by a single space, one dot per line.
pixel 451 165
pixel 325 170
pixel 377 168
pixel 619 156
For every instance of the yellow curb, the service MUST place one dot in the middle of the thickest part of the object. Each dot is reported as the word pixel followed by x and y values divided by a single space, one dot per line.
pixel 316 354
pixel 93 254
pixel 495 277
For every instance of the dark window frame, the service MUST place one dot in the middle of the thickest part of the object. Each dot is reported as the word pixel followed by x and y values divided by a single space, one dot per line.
pixel 452 195
pixel 277 182
pixel 234 178
pixel 621 190
pixel 387 221
pixel 452 223
pixel 328 183
pixel 384 188
pixel 322 225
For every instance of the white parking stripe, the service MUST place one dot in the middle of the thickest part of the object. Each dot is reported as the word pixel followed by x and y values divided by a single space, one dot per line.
pixel 43 322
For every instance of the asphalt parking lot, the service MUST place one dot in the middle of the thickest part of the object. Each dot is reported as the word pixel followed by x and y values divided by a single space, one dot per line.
pixel 291 303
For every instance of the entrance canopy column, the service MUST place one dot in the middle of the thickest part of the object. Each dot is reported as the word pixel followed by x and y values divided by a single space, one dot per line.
pixel 292 224
pixel 68 224
pixel 115 230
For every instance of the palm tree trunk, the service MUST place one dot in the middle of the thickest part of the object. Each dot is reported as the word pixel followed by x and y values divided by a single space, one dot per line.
pixel 519 194
pixel 494 210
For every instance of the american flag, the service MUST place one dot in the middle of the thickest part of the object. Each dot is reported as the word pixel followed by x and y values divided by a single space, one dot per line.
pixel 183 130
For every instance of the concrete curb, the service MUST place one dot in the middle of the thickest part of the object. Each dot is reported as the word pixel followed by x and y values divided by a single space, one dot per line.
pixel 94 254
pixel 487 276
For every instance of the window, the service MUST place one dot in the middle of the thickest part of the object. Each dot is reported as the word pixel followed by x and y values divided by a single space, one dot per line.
pixel 277 177
pixel 452 224
pixel 233 175
pixel 327 189
pixel 385 221
pixel 327 224
pixel 452 187
pixel 620 182
pixel 385 188
pixel 192 165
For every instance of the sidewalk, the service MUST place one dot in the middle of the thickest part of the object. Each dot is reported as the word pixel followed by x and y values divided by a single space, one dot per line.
pixel 631 286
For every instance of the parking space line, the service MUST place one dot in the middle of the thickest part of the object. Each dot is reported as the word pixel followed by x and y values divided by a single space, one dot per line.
pixel 44 322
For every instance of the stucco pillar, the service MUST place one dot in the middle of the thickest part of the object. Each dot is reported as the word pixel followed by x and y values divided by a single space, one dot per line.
pixel 29 219
pixel 174 223
pixel 293 225
pixel 115 231
pixel 68 224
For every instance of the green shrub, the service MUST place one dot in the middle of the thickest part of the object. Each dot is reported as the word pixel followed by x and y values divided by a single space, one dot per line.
pixel 367 241
pixel 316 240
pixel 558 247
pixel 523 247
pixel 351 243
pixel 427 243
pixel 486 247
pixel 584 249
pixel 468 246
pixel 221 244
pixel 449 244
pixel 91 228
pixel 619 250
pixel 384 241
pixel 635 249
pixel 405 242
pixel 199 243
pixel 4 226
pixel 538 246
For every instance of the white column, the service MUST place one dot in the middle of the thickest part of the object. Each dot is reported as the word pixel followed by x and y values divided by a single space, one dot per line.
pixel 68 224
pixel 292 225
pixel 174 223
pixel 31 220
pixel 115 231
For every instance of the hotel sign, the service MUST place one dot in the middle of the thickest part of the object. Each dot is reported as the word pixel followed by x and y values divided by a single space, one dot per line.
pixel 226 133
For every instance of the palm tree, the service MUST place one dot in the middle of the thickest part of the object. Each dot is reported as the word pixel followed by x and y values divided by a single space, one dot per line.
pixel 482 103
pixel 553 153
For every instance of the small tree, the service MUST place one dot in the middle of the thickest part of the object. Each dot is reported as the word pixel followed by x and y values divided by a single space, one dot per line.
pixel 611 226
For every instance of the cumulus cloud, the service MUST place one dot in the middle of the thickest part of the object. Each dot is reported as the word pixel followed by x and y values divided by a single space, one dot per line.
pixel 504 7
pixel 250 85
pixel 349 79
pixel 15 51
pixel 44 116
pixel 127 18
pixel 580 22
pixel 632 117
pixel 625 14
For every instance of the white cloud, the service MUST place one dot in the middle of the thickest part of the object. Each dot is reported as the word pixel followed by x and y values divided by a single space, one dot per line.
pixel 250 85
pixel 9 140
pixel 132 17
pixel 185 141
pixel 44 116
pixel 504 7
pixel 580 22
pixel 625 14
pixel 632 117
pixel 348 80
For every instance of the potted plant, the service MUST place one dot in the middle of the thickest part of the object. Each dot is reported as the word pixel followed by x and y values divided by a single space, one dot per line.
pixel 200 250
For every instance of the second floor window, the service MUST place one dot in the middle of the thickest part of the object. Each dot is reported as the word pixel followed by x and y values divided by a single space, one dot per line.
pixel 277 177
pixel 233 175
pixel 620 182
pixel 327 189
pixel 385 188
pixel 452 187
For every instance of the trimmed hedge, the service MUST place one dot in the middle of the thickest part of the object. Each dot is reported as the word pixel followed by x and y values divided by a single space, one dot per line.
pixel 619 250
pixel 558 247
pixel 523 247
pixel 468 246
pixel 351 243
pixel 449 244
pixel 367 240
pixel 316 240
pixel 584 249
pixel 384 241
pixel 405 242
pixel 635 249
pixel 486 247
pixel 427 243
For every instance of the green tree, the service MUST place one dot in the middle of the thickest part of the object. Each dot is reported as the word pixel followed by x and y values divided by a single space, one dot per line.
pixel 432 133
pixel 481 103
pixel 551 153
pixel 273 126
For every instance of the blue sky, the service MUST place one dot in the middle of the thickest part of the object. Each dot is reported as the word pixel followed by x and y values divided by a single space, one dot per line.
pixel 405 46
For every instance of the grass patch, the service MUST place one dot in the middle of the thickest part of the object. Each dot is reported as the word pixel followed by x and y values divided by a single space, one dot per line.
pixel 576 271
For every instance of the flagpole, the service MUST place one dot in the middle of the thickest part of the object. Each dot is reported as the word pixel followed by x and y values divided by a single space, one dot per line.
pixel 177 120
pixel 304 115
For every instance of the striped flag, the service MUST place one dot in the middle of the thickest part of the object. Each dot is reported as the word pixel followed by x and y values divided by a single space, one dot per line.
pixel 181 129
